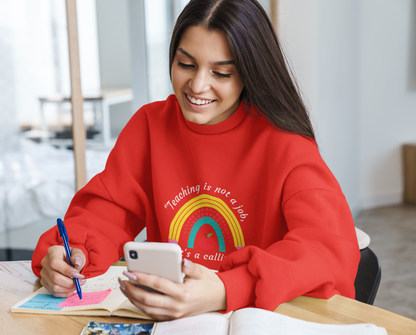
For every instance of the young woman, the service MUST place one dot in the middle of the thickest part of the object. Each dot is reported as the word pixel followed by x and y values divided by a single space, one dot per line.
pixel 227 168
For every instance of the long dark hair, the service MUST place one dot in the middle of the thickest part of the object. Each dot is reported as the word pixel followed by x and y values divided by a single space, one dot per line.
pixel 261 65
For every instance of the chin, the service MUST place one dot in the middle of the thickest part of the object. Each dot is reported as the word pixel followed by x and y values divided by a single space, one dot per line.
pixel 196 120
pixel 191 117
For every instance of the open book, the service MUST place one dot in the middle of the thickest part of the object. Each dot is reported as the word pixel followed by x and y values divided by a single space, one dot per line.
pixel 101 296
pixel 254 321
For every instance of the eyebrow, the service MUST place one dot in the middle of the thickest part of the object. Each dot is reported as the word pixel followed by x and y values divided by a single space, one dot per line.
pixel 223 62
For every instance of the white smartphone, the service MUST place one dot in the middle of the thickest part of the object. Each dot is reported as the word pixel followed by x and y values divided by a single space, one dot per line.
pixel 160 259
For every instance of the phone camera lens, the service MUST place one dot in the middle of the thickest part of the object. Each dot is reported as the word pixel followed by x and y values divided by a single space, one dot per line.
pixel 133 254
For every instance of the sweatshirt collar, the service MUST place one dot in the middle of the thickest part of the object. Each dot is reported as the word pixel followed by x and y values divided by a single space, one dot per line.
pixel 231 122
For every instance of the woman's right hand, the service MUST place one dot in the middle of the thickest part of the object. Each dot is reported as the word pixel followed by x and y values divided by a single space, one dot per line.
pixel 57 276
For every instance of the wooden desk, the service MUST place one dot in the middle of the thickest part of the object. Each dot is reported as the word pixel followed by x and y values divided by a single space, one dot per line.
pixel 17 281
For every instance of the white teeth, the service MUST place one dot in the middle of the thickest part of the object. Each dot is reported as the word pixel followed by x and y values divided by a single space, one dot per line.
pixel 197 101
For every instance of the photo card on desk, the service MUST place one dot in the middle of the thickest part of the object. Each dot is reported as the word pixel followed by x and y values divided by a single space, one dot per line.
pixel 94 327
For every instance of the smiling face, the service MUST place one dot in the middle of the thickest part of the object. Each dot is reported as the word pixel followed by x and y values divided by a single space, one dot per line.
pixel 204 77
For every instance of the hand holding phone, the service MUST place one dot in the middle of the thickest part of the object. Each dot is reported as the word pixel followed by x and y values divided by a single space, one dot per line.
pixel 160 259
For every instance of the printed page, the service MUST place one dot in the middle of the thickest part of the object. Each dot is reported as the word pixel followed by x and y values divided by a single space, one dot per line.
pixel 204 324
pixel 253 321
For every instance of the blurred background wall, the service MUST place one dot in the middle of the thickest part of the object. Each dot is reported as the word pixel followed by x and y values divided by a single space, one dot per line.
pixel 355 62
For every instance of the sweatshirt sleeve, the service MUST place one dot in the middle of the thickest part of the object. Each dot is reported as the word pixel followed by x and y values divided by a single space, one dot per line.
pixel 112 208
pixel 317 257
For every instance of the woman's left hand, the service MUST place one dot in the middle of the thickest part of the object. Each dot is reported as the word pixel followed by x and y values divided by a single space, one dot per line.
pixel 202 291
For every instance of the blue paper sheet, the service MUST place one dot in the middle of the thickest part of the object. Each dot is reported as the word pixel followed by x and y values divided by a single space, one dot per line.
pixel 44 302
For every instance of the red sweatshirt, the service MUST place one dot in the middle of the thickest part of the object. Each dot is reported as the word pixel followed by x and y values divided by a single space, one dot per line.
pixel 256 203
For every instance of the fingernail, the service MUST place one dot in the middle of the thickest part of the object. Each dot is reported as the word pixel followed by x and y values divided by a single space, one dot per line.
pixel 124 292
pixel 129 275
pixel 82 282
pixel 186 263
pixel 121 282
pixel 77 275
pixel 78 261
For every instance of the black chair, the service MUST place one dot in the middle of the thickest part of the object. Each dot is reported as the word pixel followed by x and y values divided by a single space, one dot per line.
pixel 368 277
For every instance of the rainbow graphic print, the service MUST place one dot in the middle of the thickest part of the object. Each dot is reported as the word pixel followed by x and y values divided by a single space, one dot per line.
pixel 206 229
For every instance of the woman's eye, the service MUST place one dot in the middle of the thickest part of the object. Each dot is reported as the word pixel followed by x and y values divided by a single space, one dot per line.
pixel 191 66
pixel 185 66
pixel 222 75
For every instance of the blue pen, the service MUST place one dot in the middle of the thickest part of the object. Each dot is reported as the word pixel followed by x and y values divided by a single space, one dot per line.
pixel 62 232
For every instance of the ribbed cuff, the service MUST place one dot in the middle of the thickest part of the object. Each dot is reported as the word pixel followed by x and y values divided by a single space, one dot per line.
pixel 240 287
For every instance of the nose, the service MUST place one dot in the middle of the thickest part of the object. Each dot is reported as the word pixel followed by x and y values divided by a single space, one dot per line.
pixel 199 82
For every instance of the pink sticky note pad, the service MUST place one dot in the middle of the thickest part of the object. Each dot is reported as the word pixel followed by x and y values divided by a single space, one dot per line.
pixel 88 298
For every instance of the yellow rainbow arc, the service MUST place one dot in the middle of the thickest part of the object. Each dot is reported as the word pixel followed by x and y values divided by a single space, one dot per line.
pixel 205 200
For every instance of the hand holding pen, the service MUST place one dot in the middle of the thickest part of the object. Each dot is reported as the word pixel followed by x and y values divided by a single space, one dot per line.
pixel 64 236
pixel 56 275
